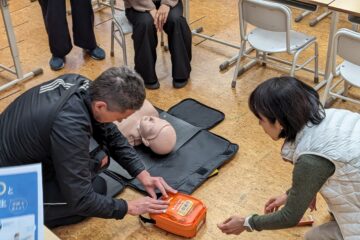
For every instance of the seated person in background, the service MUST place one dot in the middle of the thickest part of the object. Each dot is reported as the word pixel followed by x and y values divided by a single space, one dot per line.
pixel 145 126
pixel 323 145
pixel 148 17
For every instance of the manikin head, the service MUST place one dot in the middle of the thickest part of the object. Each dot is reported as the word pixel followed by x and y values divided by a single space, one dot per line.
pixel 157 134
pixel 129 126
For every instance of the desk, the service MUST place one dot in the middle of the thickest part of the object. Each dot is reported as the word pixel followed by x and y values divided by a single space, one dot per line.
pixel 351 7
pixel 14 51
pixel 322 3
pixel 48 235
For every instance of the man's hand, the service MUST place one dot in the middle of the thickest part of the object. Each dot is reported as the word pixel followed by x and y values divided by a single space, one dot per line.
pixel 232 225
pixel 161 16
pixel 146 205
pixel 104 161
pixel 274 203
pixel 151 183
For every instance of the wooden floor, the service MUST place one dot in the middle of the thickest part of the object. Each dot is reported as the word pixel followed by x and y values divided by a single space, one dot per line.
pixel 245 183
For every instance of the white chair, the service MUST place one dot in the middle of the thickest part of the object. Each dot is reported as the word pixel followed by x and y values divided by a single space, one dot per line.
pixel 120 26
pixel 346 44
pixel 272 34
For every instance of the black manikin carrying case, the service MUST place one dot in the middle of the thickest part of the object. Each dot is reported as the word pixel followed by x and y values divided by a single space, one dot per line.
pixel 197 153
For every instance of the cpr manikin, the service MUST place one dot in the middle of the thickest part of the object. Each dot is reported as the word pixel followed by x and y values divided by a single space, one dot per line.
pixel 145 126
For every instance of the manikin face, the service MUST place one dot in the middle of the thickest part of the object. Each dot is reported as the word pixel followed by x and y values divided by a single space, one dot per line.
pixel 103 115
pixel 151 124
pixel 273 130
pixel 158 134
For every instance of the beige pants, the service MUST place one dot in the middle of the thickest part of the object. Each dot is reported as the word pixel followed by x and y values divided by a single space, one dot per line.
pixel 327 231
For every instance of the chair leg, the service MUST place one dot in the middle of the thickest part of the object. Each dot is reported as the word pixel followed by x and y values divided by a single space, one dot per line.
pixel 162 42
pixel 293 66
pixel 241 53
pixel 316 72
pixel 123 44
pixel 258 56
pixel 354 27
pixel 112 39
pixel 327 90
pixel 346 88
pixel 264 56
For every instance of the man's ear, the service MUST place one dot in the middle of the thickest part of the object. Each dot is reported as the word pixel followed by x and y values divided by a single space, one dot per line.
pixel 100 106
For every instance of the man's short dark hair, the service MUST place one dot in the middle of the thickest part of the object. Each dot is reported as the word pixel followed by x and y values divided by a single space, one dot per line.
pixel 120 87
pixel 288 100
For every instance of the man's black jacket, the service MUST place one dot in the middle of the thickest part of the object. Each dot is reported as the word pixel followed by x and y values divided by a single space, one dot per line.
pixel 52 124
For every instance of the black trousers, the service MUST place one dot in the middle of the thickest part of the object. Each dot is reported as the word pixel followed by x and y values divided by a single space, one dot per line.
pixel 54 13
pixel 145 42
pixel 56 213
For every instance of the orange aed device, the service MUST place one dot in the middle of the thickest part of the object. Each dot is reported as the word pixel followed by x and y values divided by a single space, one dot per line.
pixel 184 216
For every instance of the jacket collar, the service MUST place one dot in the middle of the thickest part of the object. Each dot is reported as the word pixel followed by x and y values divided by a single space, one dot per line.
pixel 288 148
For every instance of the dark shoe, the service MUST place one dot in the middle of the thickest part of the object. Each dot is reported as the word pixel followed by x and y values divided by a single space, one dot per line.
pixel 179 83
pixel 56 63
pixel 97 53
pixel 152 86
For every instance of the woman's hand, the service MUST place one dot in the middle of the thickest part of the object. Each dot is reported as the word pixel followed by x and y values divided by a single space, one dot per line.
pixel 274 203
pixel 153 13
pixel 312 205
pixel 146 205
pixel 232 225
pixel 161 16
pixel 151 183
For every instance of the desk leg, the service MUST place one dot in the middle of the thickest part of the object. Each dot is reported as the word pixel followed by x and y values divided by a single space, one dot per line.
pixel 14 51
pixel 11 37
pixel 332 32
pixel 187 10
pixel 330 52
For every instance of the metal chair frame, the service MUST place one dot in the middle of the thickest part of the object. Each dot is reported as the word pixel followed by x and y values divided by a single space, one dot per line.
pixel 343 46
pixel 263 57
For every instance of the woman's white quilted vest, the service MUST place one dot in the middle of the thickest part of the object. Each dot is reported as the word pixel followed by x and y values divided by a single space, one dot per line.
pixel 336 138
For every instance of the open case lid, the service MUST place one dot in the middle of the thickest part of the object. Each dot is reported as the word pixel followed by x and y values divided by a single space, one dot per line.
pixel 196 113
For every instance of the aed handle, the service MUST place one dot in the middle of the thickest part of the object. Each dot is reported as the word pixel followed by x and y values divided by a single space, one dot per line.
pixel 147 220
